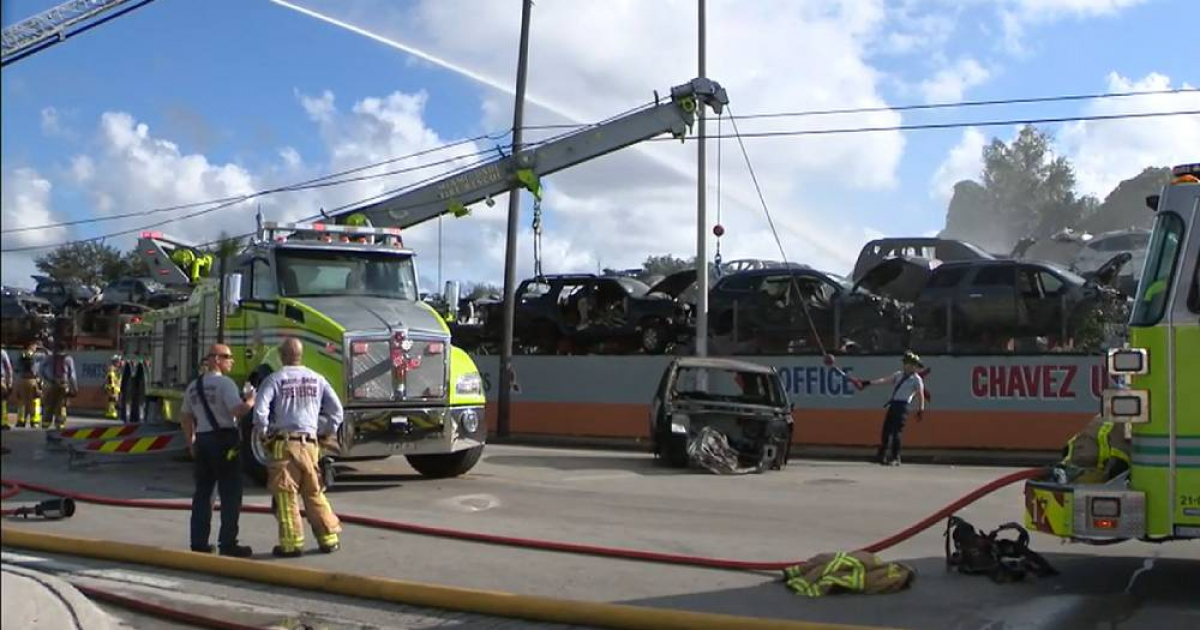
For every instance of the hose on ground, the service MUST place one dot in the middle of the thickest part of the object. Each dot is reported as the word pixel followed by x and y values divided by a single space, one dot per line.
pixel 15 486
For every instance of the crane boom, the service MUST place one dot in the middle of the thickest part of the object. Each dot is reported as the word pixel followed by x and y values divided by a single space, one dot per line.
pixel 524 169
pixel 52 22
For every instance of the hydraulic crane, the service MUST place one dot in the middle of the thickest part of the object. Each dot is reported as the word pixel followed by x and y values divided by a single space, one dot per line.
pixel 29 35
pixel 525 168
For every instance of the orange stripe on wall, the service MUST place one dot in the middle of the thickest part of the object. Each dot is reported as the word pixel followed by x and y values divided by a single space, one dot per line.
pixel 819 427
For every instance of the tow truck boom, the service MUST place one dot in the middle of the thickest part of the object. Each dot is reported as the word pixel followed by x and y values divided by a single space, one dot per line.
pixel 524 168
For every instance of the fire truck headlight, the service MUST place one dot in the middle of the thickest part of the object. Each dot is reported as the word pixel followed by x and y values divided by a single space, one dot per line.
pixel 469 384
pixel 470 420
pixel 1127 361
pixel 1126 406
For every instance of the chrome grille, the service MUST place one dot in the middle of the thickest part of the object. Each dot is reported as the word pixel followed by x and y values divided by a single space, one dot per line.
pixel 370 372
pixel 427 380
pixel 372 377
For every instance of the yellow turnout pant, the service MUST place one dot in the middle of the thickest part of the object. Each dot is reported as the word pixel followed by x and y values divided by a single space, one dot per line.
pixel 56 405
pixel 293 476
pixel 29 402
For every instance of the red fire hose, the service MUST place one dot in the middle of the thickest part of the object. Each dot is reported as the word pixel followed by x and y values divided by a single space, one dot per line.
pixel 15 487
pixel 162 612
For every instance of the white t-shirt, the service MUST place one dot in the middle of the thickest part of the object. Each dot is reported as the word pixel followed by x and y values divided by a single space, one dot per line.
pixel 909 388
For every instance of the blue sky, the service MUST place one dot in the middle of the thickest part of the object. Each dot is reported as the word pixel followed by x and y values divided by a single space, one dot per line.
pixel 232 94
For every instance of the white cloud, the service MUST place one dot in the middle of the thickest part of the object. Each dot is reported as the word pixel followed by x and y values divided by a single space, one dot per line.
pixel 949 83
pixel 591 60
pixel 1106 152
pixel 965 161
pixel 26 202
pixel 1017 15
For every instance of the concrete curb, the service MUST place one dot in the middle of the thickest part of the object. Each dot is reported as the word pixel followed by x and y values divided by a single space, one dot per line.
pixel 56 601
pixel 494 603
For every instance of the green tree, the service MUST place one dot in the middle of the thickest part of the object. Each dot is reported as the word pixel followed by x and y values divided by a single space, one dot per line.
pixel 1025 190
pixel 90 262
pixel 666 265
pixel 480 290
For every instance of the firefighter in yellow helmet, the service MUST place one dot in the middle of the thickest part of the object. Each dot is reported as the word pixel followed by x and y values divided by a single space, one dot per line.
pixel 112 386
pixel 28 389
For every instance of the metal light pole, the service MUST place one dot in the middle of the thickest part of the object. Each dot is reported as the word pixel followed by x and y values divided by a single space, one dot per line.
pixel 701 213
pixel 510 249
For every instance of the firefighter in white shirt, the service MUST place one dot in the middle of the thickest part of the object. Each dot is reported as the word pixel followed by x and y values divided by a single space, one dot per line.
pixel 906 385
pixel 288 410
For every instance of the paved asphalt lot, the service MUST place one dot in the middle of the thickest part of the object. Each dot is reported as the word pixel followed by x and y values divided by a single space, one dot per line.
pixel 623 499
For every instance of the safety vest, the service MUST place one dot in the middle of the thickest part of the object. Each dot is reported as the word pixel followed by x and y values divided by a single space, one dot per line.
pixel 25 365
pixel 855 572
pixel 112 380
pixel 1096 445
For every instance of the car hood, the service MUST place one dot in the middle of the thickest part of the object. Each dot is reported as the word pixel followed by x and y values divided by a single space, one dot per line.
pixel 375 313
pixel 1110 271
pixel 675 284
pixel 898 278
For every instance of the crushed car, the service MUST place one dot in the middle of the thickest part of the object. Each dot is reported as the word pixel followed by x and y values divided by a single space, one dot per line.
pixel 768 311
pixel 24 317
pixel 586 313
pixel 968 302
pixel 722 415
pixel 928 248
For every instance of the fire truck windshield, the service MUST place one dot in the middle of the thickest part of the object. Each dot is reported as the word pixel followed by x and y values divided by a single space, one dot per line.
pixel 312 273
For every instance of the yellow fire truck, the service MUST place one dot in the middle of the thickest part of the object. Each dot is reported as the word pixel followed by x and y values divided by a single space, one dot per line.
pixel 1157 402
pixel 348 289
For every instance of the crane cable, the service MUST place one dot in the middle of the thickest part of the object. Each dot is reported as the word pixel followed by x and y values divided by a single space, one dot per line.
pixel 775 233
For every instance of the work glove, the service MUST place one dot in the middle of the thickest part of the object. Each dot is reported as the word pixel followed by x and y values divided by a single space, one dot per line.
pixel 860 384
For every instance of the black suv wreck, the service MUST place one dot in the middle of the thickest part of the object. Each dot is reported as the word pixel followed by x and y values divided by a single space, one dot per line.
pixel 763 311
pixel 724 415
pixel 974 300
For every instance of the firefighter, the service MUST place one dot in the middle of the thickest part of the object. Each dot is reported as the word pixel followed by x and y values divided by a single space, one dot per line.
pixel 28 390
pixel 112 386
pixel 6 382
pixel 288 411
pixel 58 377
pixel 906 384
pixel 211 407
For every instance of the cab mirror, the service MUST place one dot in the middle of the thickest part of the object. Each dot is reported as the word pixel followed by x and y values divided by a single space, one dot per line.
pixel 233 291
pixel 450 296
pixel 1152 202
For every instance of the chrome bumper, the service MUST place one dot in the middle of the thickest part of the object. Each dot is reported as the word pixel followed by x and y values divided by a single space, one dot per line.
pixel 374 432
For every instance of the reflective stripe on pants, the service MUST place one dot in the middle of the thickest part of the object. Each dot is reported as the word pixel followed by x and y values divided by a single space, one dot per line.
pixel 293 477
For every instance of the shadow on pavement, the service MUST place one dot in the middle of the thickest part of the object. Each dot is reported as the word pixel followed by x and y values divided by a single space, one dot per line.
pixel 1090 593
pixel 637 463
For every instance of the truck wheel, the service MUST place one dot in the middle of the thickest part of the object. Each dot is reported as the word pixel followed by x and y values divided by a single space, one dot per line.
pixel 445 465
pixel 254 453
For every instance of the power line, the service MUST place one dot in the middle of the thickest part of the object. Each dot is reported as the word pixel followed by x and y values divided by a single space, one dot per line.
pixel 952 125
pixel 317 182
pixel 928 106
pixel 235 202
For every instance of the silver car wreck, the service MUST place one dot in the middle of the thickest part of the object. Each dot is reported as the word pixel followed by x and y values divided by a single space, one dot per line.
pixel 727 416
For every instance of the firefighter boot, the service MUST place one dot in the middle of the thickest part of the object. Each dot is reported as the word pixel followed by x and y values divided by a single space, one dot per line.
pixel 36 420
pixel 4 413
pixel 110 412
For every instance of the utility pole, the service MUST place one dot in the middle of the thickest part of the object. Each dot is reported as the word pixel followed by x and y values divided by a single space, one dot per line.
pixel 701 212
pixel 503 420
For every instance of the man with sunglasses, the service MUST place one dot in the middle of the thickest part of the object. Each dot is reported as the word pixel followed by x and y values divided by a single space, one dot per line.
pixel 210 412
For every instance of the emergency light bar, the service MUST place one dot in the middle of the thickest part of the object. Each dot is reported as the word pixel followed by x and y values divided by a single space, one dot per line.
pixel 345 233
pixel 334 229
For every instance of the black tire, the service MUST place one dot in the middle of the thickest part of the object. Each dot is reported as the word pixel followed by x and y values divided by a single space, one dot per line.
pixel 673 450
pixel 133 398
pixel 654 337
pixel 254 463
pixel 444 465
pixel 254 457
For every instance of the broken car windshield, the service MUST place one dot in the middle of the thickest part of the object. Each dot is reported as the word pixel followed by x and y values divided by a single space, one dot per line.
pixel 730 385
